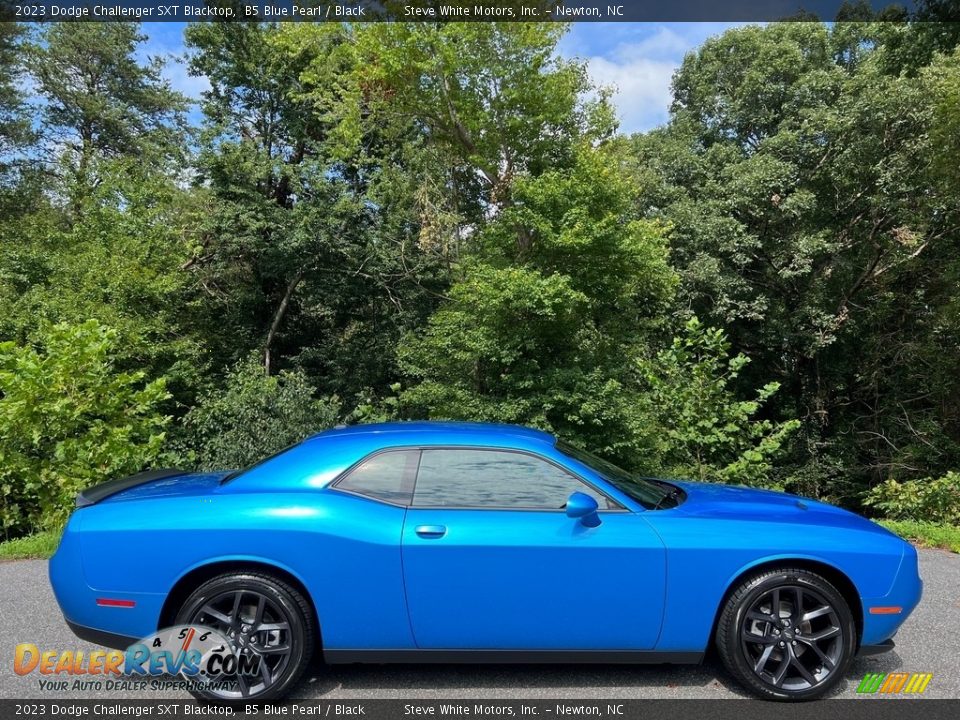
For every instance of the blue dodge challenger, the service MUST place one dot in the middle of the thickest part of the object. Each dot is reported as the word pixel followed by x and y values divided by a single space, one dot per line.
pixel 458 542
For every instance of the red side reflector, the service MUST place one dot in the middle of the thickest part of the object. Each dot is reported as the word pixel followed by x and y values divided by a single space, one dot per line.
pixel 112 602
pixel 892 610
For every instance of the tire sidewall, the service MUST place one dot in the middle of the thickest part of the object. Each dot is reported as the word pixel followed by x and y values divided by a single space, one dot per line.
pixel 299 628
pixel 757 587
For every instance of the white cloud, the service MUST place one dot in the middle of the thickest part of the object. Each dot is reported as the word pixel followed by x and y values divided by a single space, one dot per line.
pixel 640 73
pixel 166 42
pixel 175 70
pixel 639 70
pixel 642 89
pixel 665 43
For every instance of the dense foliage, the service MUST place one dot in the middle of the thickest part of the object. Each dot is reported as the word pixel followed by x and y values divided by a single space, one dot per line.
pixel 928 499
pixel 702 429
pixel 252 416
pixel 70 419
pixel 815 219
pixel 397 221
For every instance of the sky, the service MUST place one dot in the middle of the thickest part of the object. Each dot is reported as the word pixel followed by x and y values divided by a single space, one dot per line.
pixel 636 59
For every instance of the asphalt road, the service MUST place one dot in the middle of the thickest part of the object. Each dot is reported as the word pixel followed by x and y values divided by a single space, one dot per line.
pixel 928 642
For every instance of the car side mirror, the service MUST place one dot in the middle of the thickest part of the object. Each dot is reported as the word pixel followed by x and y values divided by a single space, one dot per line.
pixel 584 508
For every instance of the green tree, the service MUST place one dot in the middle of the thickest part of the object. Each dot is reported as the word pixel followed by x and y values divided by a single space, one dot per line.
pixel 259 146
pixel 68 420
pixel 704 430
pixel 796 178
pixel 909 47
pixel 254 416
pixel 119 262
pixel 942 77
pixel 100 101
pixel 312 254
pixel 14 122
pixel 544 334
pixel 495 97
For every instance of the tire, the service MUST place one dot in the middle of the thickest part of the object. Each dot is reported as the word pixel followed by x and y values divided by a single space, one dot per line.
pixel 793 654
pixel 270 619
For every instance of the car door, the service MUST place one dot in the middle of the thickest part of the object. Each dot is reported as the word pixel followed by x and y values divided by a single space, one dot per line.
pixel 492 562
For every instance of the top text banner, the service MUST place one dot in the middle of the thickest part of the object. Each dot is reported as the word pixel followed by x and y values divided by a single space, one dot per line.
pixel 460 11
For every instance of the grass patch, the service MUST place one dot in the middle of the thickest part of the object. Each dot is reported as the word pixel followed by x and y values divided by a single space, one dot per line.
pixel 926 534
pixel 40 545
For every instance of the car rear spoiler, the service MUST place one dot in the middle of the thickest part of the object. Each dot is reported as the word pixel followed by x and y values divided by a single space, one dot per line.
pixel 96 493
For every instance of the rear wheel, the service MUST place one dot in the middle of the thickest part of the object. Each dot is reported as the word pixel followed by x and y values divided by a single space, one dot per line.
pixel 267 622
pixel 786 634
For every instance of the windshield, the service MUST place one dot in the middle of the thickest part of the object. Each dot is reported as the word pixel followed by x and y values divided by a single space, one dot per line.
pixel 651 494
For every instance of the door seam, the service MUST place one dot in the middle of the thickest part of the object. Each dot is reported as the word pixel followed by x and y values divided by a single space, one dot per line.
pixel 403 576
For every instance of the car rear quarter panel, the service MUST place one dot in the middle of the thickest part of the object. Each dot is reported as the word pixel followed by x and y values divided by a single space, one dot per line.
pixel 345 550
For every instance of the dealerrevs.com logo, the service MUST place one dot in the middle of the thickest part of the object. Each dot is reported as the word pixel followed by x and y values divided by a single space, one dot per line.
pixel 200 656
pixel 894 683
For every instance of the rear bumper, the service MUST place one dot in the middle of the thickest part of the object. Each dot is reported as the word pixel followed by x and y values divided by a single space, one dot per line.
pixel 99 637
pixel 79 602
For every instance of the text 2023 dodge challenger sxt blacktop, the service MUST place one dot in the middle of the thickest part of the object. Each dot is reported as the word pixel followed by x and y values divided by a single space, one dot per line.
pixel 426 542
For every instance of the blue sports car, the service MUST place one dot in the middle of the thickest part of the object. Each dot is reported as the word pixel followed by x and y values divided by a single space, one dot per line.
pixel 450 542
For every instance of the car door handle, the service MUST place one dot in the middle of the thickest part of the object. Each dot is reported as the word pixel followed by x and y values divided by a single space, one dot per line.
pixel 430 531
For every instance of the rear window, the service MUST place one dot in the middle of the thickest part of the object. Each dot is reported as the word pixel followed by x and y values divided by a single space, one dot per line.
pixel 386 476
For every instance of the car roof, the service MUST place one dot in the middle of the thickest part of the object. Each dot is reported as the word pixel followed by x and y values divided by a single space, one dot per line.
pixel 429 431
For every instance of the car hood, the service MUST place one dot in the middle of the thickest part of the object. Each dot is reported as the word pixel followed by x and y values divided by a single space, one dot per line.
pixel 718 501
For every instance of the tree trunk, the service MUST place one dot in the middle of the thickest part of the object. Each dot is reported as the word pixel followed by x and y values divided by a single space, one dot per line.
pixel 278 316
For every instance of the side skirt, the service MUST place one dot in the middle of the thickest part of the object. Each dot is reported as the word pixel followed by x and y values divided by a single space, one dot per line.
pixel 506 657
pixel 878 649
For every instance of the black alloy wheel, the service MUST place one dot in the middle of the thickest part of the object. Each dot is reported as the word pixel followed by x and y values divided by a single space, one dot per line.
pixel 268 624
pixel 787 634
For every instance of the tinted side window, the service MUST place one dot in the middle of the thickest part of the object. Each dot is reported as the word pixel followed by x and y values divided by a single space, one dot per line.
pixel 387 476
pixel 494 479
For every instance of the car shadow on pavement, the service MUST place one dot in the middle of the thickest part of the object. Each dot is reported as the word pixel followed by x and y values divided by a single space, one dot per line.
pixel 515 681
pixel 706 681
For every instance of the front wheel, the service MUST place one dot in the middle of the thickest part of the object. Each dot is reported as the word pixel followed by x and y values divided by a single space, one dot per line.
pixel 266 621
pixel 786 634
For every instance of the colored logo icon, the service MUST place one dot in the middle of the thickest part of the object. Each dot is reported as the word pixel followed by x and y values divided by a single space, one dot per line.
pixel 893 683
